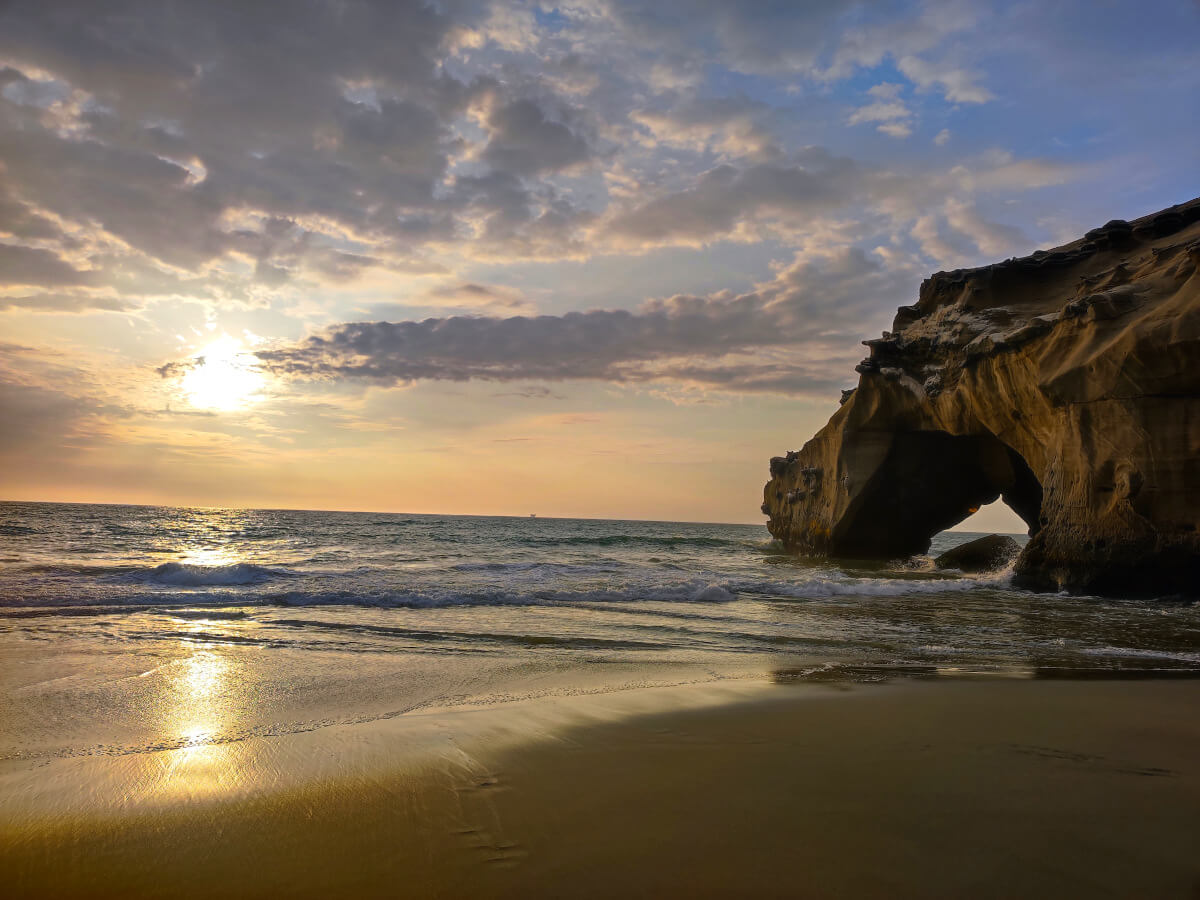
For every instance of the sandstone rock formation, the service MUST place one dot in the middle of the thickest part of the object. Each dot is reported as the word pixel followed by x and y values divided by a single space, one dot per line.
pixel 1066 382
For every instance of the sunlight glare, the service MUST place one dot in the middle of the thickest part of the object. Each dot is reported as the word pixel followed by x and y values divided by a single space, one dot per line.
pixel 223 377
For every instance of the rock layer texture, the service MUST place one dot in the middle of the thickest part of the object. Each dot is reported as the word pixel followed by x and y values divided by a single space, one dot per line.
pixel 1066 382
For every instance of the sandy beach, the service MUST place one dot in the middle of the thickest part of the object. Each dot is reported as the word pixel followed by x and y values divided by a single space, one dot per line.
pixel 939 788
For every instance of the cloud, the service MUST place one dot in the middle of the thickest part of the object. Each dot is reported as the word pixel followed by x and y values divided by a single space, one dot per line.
pixel 472 295
pixel 51 405
pixel 36 416
pixel 222 156
pixel 66 301
pixel 957 84
pixel 230 158
pixel 1000 171
pixel 397 136
pixel 18 220
pixel 753 38
pixel 343 123
pixel 888 108
pixel 880 111
pixel 525 141
pixel 732 126
pixel 34 266
pixel 727 195
pixel 532 392
pixel 809 194
pixel 882 30
pixel 992 238
pixel 823 39
pixel 961 233
pixel 895 129
pixel 809 310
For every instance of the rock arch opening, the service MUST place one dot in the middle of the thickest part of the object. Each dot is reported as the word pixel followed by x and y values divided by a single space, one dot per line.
pixel 996 517
pixel 928 482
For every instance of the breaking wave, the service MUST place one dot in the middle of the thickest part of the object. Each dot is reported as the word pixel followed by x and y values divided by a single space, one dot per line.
pixel 178 574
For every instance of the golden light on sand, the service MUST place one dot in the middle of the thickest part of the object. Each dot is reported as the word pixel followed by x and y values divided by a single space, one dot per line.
pixel 224 377
pixel 196 712
pixel 200 686
pixel 203 674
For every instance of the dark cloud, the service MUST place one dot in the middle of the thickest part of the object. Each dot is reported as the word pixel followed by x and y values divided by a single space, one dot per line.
pixel 231 141
pixel 821 38
pixel 726 195
pixel 681 338
pixel 761 378
pixel 36 416
pixel 400 136
pixel 19 221
pixel 749 37
pixel 469 294
pixel 525 141
pixel 67 302
pixel 33 266
pixel 137 196
pixel 157 123
pixel 48 404
pixel 533 392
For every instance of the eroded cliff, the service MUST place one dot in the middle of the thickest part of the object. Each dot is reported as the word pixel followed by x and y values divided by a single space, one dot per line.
pixel 1066 382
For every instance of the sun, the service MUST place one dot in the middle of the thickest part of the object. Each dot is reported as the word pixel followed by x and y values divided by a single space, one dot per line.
pixel 223 376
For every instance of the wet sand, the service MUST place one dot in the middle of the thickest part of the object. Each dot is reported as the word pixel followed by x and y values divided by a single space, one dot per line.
pixel 911 789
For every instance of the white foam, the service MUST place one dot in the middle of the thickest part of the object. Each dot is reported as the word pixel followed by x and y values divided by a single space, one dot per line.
pixel 190 575
pixel 830 587
pixel 1142 654
pixel 712 593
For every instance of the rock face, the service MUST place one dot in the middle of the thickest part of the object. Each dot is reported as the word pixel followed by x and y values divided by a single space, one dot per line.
pixel 980 555
pixel 1066 382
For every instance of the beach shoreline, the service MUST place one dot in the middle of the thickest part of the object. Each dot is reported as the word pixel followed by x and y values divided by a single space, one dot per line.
pixel 939 788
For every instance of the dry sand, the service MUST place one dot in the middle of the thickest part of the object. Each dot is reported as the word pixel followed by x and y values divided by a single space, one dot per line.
pixel 912 789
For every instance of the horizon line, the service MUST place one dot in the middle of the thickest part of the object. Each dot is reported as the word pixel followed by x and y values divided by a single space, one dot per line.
pixel 382 512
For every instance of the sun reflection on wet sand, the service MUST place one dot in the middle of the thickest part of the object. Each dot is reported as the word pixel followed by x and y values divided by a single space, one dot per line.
pixel 197 712
pixel 203 671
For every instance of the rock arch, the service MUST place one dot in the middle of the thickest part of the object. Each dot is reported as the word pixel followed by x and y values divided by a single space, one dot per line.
pixel 930 481
pixel 1067 382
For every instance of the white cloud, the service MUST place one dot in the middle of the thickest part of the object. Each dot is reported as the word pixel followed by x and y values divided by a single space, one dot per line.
pixel 958 85
pixel 732 126
pixel 895 129
pixel 888 108
pixel 881 111
pixel 958 233
pixel 886 90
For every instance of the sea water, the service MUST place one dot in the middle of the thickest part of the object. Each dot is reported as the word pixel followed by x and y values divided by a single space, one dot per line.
pixel 126 628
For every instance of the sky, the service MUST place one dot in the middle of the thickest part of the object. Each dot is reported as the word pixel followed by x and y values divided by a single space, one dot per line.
pixel 597 259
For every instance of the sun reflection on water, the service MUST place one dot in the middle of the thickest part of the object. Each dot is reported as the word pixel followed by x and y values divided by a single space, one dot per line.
pixel 209 556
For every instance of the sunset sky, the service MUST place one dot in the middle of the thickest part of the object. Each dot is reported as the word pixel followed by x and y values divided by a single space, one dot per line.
pixel 596 259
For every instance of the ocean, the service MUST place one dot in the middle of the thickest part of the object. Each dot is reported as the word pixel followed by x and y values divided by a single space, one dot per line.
pixel 125 628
